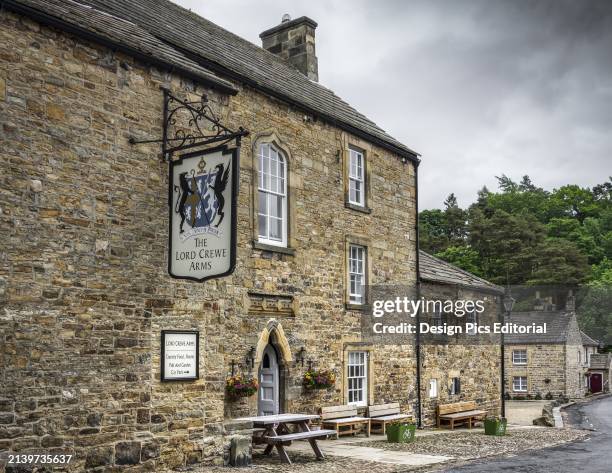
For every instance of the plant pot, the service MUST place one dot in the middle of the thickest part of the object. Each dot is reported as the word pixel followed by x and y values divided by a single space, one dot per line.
pixel 495 426
pixel 401 433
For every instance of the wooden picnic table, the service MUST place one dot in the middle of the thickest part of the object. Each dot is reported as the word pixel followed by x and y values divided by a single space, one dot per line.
pixel 274 431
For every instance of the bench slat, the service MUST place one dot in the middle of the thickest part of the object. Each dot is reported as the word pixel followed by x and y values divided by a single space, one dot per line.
pixel 346 420
pixel 335 412
pixel 299 436
pixel 465 414
pixel 378 410
pixel 391 417
pixel 456 407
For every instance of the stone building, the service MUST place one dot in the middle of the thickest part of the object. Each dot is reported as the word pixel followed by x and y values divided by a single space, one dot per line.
pixel 552 364
pixel 599 373
pixel 459 368
pixel 84 288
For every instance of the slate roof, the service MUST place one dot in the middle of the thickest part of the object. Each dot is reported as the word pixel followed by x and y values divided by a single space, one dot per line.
pixel 222 52
pixel 436 270
pixel 588 341
pixel 101 26
pixel 558 325
pixel 601 361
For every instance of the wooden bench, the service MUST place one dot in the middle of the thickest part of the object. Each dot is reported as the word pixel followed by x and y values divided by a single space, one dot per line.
pixel 281 441
pixel 344 420
pixel 382 414
pixel 464 412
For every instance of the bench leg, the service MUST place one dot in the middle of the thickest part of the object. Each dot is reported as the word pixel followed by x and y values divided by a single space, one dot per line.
pixel 384 428
pixel 452 424
pixel 368 427
pixel 470 423
pixel 316 449
pixel 282 453
pixel 268 449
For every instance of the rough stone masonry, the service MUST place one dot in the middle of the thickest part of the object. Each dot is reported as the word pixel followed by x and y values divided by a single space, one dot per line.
pixel 84 291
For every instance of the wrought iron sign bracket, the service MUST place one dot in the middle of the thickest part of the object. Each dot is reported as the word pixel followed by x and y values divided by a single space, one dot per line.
pixel 202 127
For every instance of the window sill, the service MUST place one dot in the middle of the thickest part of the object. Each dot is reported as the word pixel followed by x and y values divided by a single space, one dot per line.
pixel 273 248
pixel 356 307
pixel 358 208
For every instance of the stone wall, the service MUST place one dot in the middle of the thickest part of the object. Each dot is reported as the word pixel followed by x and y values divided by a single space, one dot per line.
pixel 84 291
pixel 558 369
pixel 544 370
pixel 476 365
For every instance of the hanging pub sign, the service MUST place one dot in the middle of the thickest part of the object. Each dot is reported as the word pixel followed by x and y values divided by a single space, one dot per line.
pixel 180 355
pixel 203 197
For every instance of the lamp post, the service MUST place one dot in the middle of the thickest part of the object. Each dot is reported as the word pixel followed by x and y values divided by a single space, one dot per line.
pixel 508 302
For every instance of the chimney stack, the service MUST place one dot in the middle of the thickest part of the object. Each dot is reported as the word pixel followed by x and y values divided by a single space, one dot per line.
pixel 294 41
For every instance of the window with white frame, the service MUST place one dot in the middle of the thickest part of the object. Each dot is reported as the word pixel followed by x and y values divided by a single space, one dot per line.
pixel 356 178
pixel 272 196
pixel 436 318
pixel 357 274
pixel 357 378
pixel 519 383
pixel 433 388
pixel 519 357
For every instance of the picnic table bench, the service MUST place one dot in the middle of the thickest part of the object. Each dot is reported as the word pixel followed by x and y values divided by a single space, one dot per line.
pixel 459 413
pixel 273 430
pixel 382 414
pixel 344 420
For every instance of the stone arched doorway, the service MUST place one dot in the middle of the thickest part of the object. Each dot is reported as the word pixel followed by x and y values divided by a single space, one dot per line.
pixel 272 367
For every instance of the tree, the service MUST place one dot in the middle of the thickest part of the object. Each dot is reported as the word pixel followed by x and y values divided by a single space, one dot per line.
pixel 462 257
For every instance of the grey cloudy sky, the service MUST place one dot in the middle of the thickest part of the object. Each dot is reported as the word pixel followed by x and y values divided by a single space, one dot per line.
pixel 478 87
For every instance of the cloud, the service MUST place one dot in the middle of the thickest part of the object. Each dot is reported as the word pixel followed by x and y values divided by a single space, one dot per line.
pixel 478 87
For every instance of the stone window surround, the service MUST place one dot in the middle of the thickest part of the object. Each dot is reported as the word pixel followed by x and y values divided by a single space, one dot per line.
pixel 366 243
pixel 273 137
pixel 365 148
pixel 369 349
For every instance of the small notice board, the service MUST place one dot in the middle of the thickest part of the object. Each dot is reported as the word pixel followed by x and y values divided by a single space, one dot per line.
pixel 180 355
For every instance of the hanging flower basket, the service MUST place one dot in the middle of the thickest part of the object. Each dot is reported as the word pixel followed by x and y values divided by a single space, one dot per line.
pixel 319 379
pixel 238 386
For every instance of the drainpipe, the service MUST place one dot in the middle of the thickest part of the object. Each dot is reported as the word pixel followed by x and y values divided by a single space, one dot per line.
pixel 503 364
pixel 418 291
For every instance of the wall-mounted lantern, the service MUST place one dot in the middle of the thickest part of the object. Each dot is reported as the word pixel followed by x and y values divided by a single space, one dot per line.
pixel 250 358
pixel 300 356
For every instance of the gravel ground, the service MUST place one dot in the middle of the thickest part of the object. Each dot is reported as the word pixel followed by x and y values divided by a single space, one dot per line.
pixel 468 446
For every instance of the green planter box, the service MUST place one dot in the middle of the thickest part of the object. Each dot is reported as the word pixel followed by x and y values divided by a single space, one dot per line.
pixel 401 433
pixel 495 426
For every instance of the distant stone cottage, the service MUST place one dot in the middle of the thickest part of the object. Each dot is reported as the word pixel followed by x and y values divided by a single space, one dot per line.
pixel 549 365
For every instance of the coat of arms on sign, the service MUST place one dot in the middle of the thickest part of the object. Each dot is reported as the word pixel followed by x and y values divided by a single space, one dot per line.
pixel 201 202
pixel 203 191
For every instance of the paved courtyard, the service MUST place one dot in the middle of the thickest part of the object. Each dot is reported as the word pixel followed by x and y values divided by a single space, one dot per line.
pixel 434 450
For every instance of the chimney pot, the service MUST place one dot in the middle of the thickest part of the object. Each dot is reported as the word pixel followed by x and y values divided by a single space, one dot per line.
pixel 286 18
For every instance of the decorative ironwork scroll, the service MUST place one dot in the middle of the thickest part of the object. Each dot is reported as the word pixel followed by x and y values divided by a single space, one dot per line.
pixel 202 126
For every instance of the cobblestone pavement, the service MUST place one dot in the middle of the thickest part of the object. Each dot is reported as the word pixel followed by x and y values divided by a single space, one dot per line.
pixel 471 445
pixel 461 446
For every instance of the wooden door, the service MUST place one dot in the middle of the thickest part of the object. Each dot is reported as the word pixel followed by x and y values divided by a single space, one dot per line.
pixel 268 383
